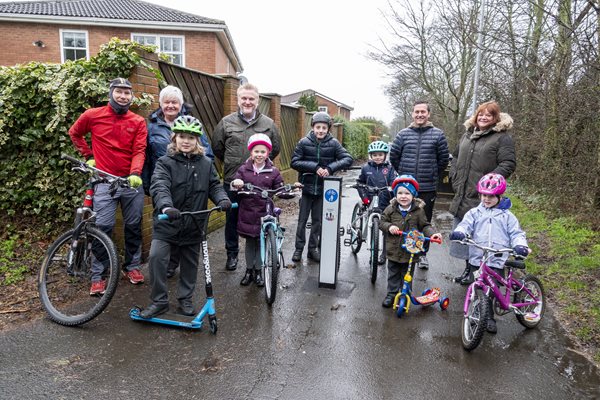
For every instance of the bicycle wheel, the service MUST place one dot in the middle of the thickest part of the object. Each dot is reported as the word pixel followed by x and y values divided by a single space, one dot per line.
pixel 374 259
pixel 474 323
pixel 271 268
pixel 65 277
pixel 532 314
pixel 356 230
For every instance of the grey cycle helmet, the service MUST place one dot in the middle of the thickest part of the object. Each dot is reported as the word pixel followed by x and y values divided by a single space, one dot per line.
pixel 379 147
pixel 121 83
pixel 321 117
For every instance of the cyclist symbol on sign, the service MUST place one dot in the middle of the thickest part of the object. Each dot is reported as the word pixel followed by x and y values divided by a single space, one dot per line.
pixel 331 195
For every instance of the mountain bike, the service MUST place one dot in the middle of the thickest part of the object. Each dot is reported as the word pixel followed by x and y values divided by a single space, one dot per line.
pixel 523 295
pixel 271 235
pixel 209 305
pixel 65 276
pixel 365 224
pixel 414 243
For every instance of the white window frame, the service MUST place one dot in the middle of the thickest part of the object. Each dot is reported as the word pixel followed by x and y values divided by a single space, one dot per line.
pixel 157 39
pixel 323 109
pixel 62 48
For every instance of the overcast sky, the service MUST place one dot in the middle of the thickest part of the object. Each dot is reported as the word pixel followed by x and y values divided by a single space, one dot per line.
pixel 286 47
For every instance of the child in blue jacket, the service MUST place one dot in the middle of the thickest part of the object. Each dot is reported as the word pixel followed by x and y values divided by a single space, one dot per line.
pixel 377 172
pixel 491 224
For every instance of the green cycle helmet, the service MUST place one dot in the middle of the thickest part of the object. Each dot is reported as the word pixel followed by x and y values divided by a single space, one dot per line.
pixel 187 124
pixel 379 147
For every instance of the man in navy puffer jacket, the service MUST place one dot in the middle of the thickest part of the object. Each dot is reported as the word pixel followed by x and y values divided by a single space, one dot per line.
pixel 421 150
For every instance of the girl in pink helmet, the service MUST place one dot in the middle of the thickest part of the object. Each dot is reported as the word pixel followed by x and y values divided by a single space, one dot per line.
pixel 491 224
pixel 259 171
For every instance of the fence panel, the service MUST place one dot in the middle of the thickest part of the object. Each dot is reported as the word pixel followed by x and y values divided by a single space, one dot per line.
pixel 289 134
pixel 204 92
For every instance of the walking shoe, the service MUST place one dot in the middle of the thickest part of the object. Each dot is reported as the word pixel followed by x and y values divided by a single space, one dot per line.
pixel 423 262
pixel 171 272
pixel 297 256
pixel 491 326
pixel 154 309
pixel 248 277
pixel 231 263
pixel 389 300
pixel 134 276
pixel 462 276
pixel 258 278
pixel 314 254
pixel 186 307
pixel 98 288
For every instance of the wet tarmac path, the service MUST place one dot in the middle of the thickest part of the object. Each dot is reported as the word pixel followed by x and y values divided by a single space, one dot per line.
pixel 314 343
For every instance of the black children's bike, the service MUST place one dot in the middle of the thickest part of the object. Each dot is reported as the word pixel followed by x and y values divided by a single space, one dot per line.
pixel 65 276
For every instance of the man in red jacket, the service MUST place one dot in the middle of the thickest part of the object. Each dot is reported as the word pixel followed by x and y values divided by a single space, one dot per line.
pixel 118 139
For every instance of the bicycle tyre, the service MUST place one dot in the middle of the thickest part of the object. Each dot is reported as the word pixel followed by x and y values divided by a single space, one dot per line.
pixel 475 322
pixel 64 294
pixel 536 287
pixel 357 225
pixel 271 268
pixel 374 259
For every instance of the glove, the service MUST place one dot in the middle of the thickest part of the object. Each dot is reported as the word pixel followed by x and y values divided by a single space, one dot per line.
pixel 172 213
pixel 134 181
pixel 91 162
pixel 366 201
pixel 225 204
pixel 457 235
pixel 521 250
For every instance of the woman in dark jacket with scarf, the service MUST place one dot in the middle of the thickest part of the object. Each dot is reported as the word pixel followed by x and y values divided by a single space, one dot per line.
pixel 485 147
pixel 183 180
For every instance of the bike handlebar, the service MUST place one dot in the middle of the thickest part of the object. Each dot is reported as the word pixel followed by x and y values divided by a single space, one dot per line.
pixel 373 188
pixel 83 167
pixel 216 208
pixel 427 239
pixel 470 242
pixel 252 189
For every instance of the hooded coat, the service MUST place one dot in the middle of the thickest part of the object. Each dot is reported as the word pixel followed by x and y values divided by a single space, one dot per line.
pixel 311 154
pixel 186 183
pixel 420 151
pixel 252 207
pixel 479 153
pixel 414 219
pixel 495 227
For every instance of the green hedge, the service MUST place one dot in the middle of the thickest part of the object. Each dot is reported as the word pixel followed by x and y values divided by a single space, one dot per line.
pixel 38 104
pixel 356 139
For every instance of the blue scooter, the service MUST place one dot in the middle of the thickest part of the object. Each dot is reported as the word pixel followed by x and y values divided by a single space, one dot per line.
pixel 209 306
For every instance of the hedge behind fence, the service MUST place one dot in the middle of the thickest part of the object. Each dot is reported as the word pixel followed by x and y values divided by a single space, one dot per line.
pixel 38 104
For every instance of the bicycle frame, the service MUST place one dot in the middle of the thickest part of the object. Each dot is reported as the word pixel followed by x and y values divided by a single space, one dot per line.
pixel 487 282
pixel 368 212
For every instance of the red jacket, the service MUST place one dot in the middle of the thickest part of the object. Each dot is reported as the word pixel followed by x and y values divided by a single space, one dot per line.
pixel 118 141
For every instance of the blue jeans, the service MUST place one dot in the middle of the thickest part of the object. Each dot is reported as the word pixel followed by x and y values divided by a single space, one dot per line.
pixel 105 206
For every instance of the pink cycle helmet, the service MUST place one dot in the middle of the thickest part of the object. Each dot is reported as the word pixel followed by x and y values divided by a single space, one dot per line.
pixel 492 184
pixel 259 138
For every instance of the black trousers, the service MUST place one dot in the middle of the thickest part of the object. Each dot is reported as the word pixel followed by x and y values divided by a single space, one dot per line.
pixel 429 199
pixel 232 241
pixel 313 206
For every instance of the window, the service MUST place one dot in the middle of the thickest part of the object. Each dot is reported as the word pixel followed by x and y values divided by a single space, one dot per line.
pixel 172 46
pixel 323 108
pixel 74 45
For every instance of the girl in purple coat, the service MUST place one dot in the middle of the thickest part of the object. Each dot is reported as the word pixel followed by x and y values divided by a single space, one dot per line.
pixel 259 171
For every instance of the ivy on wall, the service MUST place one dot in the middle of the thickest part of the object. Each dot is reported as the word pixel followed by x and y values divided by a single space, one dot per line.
pixel 38 104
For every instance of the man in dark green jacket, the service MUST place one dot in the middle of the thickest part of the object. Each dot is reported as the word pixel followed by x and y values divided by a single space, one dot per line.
pixel 230 145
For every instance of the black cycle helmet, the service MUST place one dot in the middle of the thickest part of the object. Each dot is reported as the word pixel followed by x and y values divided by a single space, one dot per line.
pixel 120 82
pixel 321 117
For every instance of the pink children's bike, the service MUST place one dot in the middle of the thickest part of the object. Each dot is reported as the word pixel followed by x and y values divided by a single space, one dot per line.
pixel 517 293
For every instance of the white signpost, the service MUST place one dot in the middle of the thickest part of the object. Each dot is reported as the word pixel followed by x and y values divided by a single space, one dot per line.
pixel 330 228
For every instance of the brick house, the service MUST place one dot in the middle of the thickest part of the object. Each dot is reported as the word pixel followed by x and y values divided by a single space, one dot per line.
pixel 327 104
pixel 56 31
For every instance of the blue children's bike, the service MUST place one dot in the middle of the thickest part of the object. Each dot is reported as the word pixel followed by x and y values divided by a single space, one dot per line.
pixel 209 306
pixel 414 243
pixel 271 235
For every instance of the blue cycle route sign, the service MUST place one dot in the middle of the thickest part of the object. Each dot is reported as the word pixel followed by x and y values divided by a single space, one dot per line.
pixel 331 195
